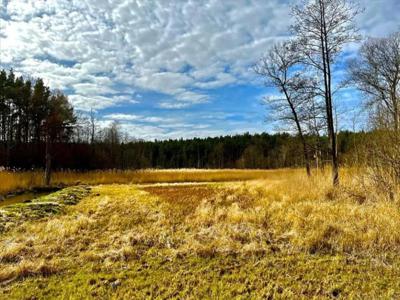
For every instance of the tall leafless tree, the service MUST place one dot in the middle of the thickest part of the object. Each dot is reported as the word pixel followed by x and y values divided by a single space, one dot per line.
pixel 280 69
pixel 322 28
pixel 93 125
pixel 376 72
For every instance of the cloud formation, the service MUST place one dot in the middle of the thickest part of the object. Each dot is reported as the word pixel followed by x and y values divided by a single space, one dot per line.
pixel 111 53
pixel 177 48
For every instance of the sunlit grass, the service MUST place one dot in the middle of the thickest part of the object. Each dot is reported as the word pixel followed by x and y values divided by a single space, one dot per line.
pixel 279 226
pixel 11 181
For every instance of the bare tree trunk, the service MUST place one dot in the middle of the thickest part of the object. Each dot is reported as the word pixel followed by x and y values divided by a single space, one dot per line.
pixel 198 157
pixel 308 167
pixel 92 126
pixel 300 132
pixel 305 149
pixel 328 97
pixel 331 126
pixel 9 141
pixel 47 174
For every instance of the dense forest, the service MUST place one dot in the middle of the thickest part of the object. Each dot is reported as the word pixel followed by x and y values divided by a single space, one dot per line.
pixel 239 151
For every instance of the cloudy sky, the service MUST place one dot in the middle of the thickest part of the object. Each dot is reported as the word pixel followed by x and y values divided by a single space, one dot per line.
pixel 165 68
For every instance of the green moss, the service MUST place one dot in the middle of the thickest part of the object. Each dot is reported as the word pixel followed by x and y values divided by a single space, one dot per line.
pixel 67 196
pixel 13 215
pixel 220 277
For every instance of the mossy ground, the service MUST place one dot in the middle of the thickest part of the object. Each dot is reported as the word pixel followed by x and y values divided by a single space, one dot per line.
pixel 220 277
pixel 16 214
pixel 216 241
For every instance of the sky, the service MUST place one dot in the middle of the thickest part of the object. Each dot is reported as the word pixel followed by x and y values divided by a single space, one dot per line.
pixel 161 68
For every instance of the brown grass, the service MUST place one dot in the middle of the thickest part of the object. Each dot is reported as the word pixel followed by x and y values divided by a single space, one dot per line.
pixel 28 268
pixel 285 216
pixel 291 215
pixel 11 181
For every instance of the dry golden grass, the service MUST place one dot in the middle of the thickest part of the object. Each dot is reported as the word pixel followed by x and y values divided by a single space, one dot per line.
pixel 294 214
pixel 288 218
pixel 11 181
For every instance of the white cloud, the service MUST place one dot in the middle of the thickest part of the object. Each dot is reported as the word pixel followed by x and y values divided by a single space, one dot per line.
pixel 103 52
pixel 121 117
pixel 92 89
pixel 140 118
pixel 97 102
pixel 166 47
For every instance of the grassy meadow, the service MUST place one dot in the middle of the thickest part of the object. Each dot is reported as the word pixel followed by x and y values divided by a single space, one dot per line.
pixel 13 181
pixel 272 235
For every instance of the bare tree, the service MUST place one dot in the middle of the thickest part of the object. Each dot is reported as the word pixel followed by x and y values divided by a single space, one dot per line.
pixel 297 106
pixel 81 133
pixel 322 28
pixel 93 125
pixel 113 134
pixel 376 72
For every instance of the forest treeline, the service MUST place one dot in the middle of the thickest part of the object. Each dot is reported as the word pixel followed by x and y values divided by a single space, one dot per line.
pixel 240 151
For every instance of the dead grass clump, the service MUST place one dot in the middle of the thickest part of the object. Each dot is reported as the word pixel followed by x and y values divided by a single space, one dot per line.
pixel 226 223
pixel 28 268
pixel 12 253
pixel 12 181
pixel 294 214
pixel 123 254
pixel 313 218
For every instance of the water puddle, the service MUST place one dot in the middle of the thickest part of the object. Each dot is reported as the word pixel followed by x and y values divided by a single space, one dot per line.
pixel 24 197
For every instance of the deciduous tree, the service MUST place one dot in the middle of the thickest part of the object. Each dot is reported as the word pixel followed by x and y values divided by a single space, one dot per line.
pixel 297 107
pixel 376 72
pixel 322 28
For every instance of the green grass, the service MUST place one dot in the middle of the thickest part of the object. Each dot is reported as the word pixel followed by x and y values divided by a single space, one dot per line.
pixel 221 277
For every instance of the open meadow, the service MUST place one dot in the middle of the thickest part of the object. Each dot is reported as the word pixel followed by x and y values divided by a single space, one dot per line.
pixel 14 181
pixel 271 235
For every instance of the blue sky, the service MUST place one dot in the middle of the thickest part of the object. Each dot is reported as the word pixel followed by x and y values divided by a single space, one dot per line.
pixel 163 69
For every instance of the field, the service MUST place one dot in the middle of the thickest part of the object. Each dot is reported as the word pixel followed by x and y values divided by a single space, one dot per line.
pixel 14 181
pixel 272 235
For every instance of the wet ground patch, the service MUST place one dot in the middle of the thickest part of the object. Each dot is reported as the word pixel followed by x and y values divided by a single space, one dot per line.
pixel 26 196
pixel 40 207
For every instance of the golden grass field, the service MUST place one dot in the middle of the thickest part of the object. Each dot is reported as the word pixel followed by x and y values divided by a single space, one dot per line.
pixel 12 181
pixel 279 236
